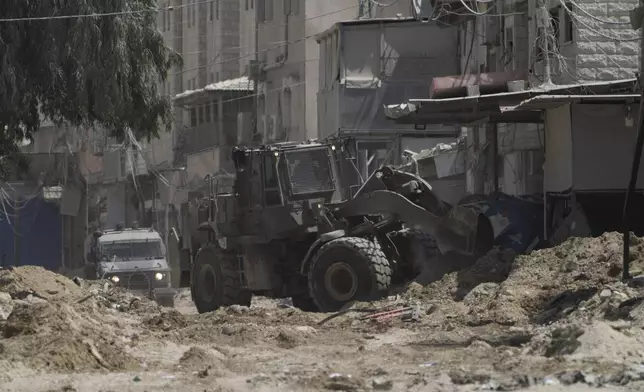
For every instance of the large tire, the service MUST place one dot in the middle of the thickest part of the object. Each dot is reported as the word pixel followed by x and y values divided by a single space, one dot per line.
pixel 348 269
pixel 305 303
pixel 418 247
pixel 424 261
pixel 216 280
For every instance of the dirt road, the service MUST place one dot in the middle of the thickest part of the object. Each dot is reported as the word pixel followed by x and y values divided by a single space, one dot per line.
pixel 552 321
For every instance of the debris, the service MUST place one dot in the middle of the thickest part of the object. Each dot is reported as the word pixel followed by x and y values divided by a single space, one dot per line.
pixel 342 382
pixel 389 314
pixel 204 373
pixel 382 385
pixel 6 305
pixel 96 354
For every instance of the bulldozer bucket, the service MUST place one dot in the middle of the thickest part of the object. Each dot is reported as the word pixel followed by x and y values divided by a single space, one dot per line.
pixel 465 230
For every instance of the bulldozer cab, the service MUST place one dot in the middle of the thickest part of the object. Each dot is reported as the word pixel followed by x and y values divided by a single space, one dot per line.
pixel 275 187
pixel 281 174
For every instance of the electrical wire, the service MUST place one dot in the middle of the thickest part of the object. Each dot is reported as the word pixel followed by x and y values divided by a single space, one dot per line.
pixel 252 54
pixel 589 15
pixel 99 15
pixel 578 19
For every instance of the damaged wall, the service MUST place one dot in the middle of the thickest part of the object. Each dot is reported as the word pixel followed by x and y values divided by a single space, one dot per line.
pixel 603 147
pixel 366 65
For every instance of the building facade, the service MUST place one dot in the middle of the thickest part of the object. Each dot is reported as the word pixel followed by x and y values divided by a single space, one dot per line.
pixel 525 44
pixel 287 56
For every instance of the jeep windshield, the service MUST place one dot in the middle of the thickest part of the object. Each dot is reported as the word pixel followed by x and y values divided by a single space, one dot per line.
pixel 127 250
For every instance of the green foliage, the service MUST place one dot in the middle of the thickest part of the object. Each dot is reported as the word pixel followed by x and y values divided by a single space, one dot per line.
pixel 89 71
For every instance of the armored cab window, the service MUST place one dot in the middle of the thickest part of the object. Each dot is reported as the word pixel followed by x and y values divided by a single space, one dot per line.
pixel 272 193
pixel 310 172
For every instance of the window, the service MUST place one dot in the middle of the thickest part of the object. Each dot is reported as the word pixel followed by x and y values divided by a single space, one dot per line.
pixel 207 112
pixel 287 7
pixel 261 11
pixel 217 9
pixel 194 12
pixel 295 7
pixel 164 15
pixel 288 102
pixel 215 112
pixel 189 16
pixel 201 114
pixel 246 5
pixel 554 29
pixel 568 24
pixel 252 4
pixel 193 117
pixel 268 12
pixel 212 9
pixel 271 183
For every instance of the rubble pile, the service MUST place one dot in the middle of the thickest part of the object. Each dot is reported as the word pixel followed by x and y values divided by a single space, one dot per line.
pixel 579 279
pixel 70 325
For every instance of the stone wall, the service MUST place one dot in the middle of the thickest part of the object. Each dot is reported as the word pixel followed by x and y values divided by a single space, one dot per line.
pixel 598 56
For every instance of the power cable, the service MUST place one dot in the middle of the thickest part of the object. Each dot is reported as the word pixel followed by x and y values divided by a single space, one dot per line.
pixel 589 15
pixel 99 15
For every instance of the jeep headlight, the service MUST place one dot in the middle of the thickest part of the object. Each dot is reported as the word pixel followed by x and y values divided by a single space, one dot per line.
pixel 158 276
pixel 115 279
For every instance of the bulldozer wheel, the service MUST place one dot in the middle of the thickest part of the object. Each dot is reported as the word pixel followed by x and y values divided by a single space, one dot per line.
pixel 348 269
pixel 304 303
pixel 216 281
pixel 419 247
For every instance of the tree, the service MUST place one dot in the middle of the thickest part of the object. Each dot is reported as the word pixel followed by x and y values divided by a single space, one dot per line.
pixel 83 71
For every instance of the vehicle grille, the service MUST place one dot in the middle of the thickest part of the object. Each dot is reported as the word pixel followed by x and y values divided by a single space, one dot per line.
pixel 136 281
pixel 310 171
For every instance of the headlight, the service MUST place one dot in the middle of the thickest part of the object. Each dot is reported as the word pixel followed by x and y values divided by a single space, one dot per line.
pixel 115 279
pixel 158 276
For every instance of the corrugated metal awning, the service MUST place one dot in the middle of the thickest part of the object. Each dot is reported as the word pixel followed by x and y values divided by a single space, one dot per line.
pixel 237 85
pixel 544 102
pixel 487 108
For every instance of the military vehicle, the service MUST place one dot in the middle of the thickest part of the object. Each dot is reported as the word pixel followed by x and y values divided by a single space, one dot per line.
pixel 291 228
pixel 132 258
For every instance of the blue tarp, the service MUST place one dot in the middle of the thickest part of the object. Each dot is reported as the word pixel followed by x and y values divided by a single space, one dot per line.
pixel 518 222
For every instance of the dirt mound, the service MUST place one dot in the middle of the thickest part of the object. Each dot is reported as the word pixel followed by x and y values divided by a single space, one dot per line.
pixel 576 278
pixel 562 277
pixel 495 266
pixel 200 358
pixel 57 336
pixel 20 282
pixel 167 321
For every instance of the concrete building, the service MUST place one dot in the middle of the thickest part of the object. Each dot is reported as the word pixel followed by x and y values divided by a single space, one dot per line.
pixel 367 64
pixel 288 69
pixel 555 49
pixel 207 36
pixel 585 41
pixel 47 204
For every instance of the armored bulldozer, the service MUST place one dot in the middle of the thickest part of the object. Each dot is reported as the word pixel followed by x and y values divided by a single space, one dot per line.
pixel 289 229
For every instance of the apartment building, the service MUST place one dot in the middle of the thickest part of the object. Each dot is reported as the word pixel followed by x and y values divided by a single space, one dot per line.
pixel 287 70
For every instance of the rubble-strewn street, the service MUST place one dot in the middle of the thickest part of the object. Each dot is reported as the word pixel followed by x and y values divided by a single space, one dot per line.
pixel 561 320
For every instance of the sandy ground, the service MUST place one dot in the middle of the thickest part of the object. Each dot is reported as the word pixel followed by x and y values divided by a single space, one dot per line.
pixel 555 320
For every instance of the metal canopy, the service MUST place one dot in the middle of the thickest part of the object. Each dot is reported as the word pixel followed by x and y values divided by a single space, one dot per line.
pixel 544 102
pixel 488 108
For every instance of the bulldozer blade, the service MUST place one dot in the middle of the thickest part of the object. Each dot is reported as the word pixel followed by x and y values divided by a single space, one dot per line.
pixel 458 230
